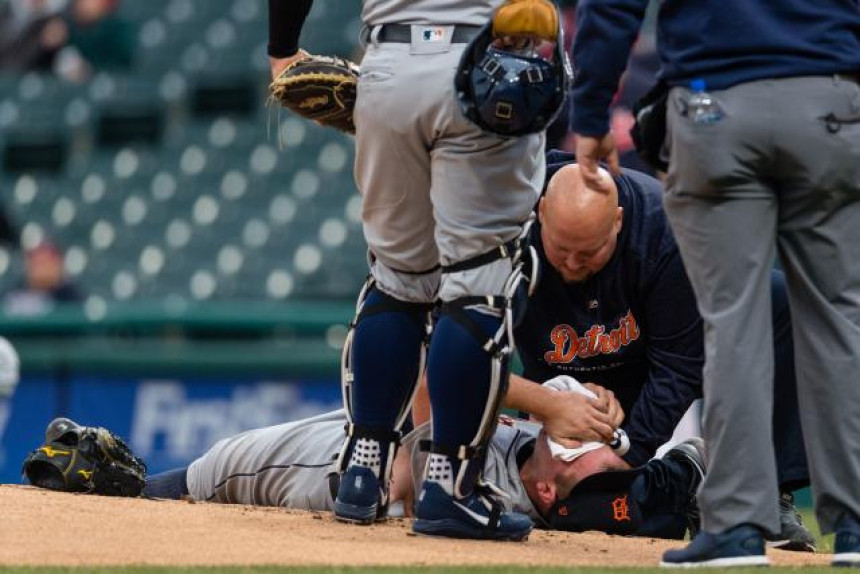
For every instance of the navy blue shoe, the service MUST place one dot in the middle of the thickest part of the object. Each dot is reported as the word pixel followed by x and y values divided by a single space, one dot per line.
pixel 846 549
pixel 692 453
pixel 740 546
pixel 358 496
pixel 478 516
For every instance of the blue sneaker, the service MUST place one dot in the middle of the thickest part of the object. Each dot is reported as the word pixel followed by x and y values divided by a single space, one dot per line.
pixel 740 546
pixel 358 496
pixel 478 516
pixel 846 549
pixel 692 453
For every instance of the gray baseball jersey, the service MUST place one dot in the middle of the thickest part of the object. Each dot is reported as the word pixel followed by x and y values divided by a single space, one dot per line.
pixel 292 465
pixel 472 12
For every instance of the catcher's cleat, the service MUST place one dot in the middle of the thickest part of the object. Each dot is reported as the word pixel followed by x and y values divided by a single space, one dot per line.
pixel 358 497
pixel 477 516
pixel 793 535
pixel 739 546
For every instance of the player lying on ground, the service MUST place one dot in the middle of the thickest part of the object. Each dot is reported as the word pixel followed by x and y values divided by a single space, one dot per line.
pixel 292 466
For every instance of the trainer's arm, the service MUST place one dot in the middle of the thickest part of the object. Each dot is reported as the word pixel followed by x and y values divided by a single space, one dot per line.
pixel 286 18
pixel 570 418
pixel 675 355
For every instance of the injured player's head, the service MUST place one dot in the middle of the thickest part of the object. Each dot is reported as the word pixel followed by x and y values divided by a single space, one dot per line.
pixel 546 479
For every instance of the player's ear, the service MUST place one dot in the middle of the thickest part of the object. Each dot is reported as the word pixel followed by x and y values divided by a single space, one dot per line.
pixel 546 492
pixel 619 219
pixel 540 208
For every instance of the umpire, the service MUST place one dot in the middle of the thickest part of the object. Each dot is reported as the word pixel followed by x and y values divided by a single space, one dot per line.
pixel 763 122
pixel 614 307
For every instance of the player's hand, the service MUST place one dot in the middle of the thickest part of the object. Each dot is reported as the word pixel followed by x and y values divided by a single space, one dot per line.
pixel 608 403
pixel 572 419
pixel 278 65
pixel 589 151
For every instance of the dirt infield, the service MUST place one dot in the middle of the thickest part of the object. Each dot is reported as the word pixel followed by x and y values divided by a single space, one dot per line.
pixel 93 530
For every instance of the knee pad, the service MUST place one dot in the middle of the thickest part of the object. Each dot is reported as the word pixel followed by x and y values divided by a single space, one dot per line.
pixel 469 360
pixel 484 324
pixel 406 324
pixel 386 343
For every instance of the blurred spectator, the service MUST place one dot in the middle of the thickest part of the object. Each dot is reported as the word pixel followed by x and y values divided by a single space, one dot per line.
pixel 30 34
pixel 98 39
pixel 88 36
pixel 45 283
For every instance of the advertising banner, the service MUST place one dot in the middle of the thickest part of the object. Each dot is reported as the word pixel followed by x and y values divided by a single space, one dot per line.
pixel 168 422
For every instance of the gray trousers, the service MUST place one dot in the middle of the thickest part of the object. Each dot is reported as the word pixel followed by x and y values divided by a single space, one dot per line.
pixel 779 172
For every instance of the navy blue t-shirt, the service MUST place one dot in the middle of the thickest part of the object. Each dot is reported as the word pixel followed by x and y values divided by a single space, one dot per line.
pixel 633 327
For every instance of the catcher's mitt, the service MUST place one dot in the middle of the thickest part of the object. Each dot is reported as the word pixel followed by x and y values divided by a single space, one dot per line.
pixel 85 459
pixel 320 88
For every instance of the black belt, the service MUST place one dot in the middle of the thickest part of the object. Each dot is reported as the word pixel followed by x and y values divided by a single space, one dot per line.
pixel 850 77
pixel 402 33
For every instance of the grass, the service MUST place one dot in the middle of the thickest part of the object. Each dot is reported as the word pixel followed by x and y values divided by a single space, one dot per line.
pixel 384 570
pixel 825 543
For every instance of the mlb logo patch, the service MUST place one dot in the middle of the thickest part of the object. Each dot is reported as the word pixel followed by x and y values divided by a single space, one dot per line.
pixel 436 34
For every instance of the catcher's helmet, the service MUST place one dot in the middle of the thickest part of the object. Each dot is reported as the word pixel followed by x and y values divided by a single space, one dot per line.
pixel 510 93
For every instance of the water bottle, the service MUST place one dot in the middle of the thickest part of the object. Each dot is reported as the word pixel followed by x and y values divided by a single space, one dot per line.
pixel 702 107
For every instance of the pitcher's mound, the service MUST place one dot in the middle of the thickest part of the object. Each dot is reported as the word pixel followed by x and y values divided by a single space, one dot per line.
pixel 41 527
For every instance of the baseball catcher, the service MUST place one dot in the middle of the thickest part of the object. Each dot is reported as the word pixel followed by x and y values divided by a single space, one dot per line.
pixel 85 459
pixel 319 88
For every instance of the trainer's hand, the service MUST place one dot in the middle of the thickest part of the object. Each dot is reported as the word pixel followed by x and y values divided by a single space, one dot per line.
pixel 589 151
pixel 278 65
pixel 572 419
pixel 608 403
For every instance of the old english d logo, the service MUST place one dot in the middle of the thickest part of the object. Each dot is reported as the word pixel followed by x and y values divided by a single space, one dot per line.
pixel 620 509
pixel 51 453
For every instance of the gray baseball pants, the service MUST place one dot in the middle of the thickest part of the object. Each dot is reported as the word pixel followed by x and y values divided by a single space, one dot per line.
pixel 780 171
pixel 436 188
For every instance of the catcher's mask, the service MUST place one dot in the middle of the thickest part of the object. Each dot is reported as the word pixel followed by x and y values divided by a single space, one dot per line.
pixel 510 93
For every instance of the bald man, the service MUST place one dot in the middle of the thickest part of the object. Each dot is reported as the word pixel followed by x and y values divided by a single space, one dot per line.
pixel 614 307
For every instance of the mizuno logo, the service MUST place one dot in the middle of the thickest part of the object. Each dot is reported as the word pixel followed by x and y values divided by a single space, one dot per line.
pixel 51 453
